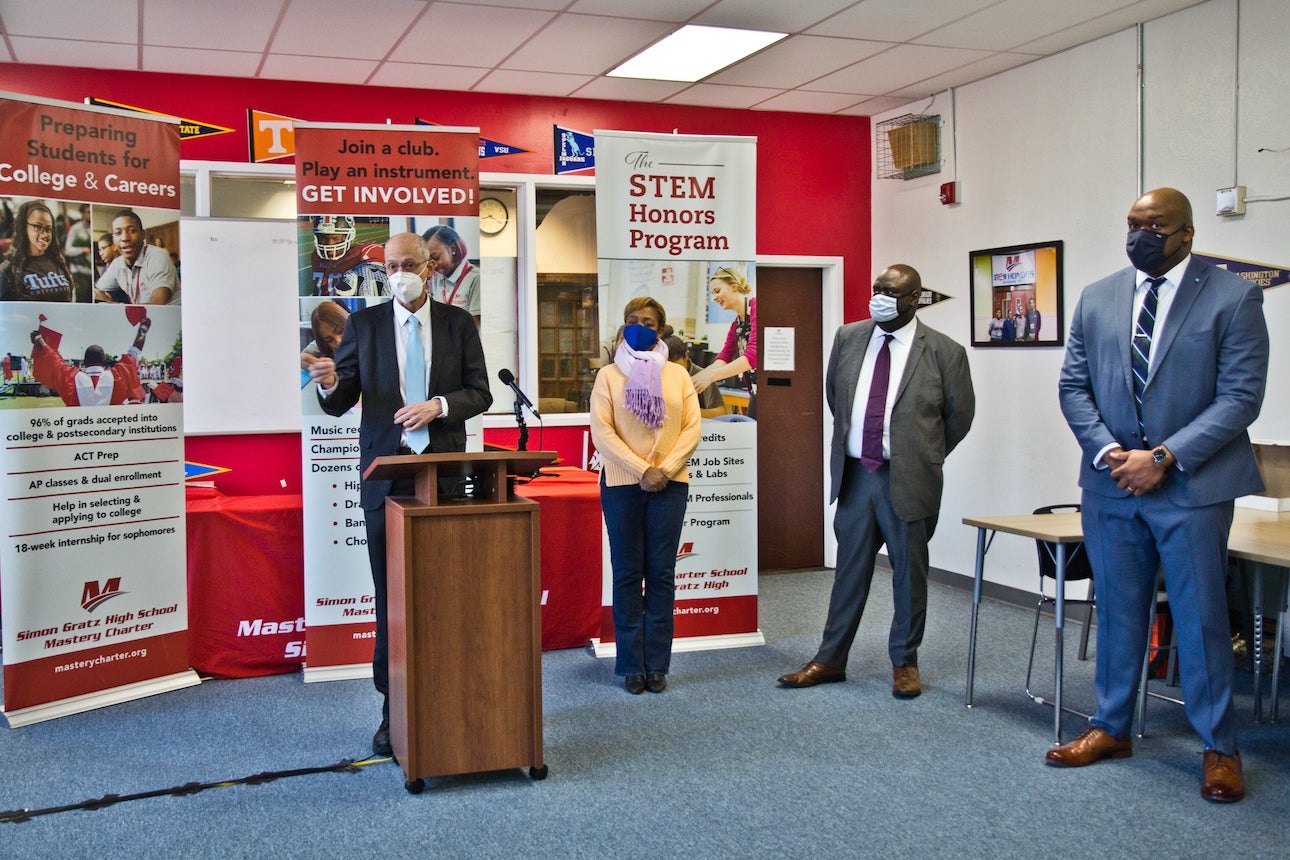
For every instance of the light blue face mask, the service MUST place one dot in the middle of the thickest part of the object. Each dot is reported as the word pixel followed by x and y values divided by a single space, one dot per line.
pixel 883 308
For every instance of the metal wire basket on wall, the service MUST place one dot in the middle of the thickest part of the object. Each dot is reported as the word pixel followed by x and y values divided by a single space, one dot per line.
pixel 909 146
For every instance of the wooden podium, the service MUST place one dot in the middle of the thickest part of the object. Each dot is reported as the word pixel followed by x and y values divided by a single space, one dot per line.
pixel 464 614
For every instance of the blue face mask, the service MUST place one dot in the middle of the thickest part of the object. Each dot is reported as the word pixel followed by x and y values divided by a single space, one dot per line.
pixel 1146 249
pixel 883 308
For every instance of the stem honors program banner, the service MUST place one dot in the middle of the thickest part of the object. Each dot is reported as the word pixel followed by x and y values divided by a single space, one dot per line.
pixel 93 568
pixel 671 211
pixel 356 185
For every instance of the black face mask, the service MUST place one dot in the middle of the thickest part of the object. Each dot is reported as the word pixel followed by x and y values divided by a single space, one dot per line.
pixel 1146 248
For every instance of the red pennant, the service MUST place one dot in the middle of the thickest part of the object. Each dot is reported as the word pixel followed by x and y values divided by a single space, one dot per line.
pixel 135 314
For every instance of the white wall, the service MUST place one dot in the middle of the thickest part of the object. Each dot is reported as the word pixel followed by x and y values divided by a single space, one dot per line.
pixel 1050 151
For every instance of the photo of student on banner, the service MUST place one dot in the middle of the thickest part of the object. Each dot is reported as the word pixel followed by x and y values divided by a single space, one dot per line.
pixel 78 355
pixel 456 278
pixel 147 246
pixel 322 322
pixel 34 269
pixel 730 290
pixel 343 255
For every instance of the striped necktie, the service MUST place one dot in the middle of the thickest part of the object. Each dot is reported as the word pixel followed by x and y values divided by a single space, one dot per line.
pixel 1142 334
pixel 414 382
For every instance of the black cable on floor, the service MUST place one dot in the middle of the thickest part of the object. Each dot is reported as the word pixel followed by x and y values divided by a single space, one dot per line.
pixel 15 816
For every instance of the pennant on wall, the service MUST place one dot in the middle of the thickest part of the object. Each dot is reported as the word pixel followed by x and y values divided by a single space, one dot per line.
pixel 574 150
pixel 188 128
pixel 487 148
pixel 1265 275
pixel 271 136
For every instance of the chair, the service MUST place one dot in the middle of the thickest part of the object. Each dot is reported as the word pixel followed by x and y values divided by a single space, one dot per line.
pixel 1171 667
pixel 1077 569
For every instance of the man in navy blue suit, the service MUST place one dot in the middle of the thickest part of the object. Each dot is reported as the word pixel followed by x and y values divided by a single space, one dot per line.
pixel 1165 369
pixel 371 362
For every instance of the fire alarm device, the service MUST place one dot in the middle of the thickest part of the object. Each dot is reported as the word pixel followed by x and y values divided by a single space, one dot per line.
pixel 949 193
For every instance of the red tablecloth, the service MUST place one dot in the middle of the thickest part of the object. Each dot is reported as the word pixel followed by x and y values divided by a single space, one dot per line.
pixel 246 601
pixel 246 574
pixel 571 565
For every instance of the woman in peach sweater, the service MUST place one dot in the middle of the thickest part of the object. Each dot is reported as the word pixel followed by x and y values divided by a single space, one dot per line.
pixel 645 424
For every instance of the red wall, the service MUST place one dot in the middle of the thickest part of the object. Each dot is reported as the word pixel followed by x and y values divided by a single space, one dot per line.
pixel 808 166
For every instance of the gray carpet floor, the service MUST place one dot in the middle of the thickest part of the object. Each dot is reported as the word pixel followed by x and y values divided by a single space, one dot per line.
pixel 723 764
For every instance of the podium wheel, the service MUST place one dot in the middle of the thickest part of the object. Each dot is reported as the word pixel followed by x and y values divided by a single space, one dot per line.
pixel 538 773
pixel 415 786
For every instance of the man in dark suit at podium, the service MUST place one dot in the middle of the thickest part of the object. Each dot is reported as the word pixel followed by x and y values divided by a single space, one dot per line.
pixel 419 367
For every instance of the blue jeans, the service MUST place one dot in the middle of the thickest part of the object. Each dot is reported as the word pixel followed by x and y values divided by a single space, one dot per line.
pixel 644 531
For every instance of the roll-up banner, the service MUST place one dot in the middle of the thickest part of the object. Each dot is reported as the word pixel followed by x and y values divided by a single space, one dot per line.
pixel 676 215
pixel 93 571
pixel 356 185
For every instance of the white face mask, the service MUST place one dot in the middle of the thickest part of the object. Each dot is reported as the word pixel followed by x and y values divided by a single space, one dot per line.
pixel 883 308
pixel 407 287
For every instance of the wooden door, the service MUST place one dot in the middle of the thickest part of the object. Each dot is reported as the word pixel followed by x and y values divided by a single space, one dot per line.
pixel 790 423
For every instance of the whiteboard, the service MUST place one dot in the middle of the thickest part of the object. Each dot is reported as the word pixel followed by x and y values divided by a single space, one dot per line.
pixel 241 326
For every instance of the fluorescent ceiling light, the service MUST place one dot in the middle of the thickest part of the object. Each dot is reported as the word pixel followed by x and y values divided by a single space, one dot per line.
pixel 694 52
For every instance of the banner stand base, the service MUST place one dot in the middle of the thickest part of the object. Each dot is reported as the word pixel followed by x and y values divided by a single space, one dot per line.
pixel 344 672
pixel 102 698
pixel 690 643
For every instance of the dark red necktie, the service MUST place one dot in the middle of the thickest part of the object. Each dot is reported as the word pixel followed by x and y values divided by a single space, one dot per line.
pixel 876 409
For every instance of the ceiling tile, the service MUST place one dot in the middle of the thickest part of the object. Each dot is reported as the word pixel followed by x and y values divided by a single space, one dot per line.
pixel 1104 25
pixel 94 55
pixel 114 20
pixel 899 67
pixel 1013 22
pixel 332 70
pixel 195 61
pixel 896 20
pixel 230 25
pixel 424 76
pixel 311 28
pixel 716 95
pixel 530 83
pixel 629 89
pixel 449 34
pixel 977 71
pixel 874 106
pixel 675 11
pixel 585 44
pixel 774 16
pixel 551 5
pixel 801 101
pixel 797 60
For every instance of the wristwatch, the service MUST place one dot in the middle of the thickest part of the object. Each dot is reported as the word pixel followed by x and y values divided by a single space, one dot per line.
pixel 1160 455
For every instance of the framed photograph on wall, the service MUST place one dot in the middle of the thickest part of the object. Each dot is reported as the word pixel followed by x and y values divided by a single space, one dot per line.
pixel 1017 295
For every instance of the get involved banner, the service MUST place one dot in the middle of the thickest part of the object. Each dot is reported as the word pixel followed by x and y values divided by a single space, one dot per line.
pixel 356 185
pixel 676 220
pixel 92 568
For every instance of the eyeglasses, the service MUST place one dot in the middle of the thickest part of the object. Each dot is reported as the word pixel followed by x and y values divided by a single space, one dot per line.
pixel 41 229
pixel 409 266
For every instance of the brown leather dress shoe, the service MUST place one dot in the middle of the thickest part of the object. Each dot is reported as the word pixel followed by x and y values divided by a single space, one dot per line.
pixel 1223 781
pixel 812 674
pixel 904 682
pixel 1092 746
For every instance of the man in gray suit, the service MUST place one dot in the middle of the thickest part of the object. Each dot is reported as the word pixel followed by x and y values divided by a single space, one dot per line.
pixel 1160 408
pixel 889 442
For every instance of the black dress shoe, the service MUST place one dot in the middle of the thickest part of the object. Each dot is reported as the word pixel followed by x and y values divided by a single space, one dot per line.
pixel 656 682
pixel 634 684
pixel 381 740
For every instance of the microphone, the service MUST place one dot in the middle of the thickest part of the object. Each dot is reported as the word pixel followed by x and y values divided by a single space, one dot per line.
pixel 508 378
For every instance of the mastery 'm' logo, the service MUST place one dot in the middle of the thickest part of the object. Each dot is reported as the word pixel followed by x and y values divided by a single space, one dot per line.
pixel 1013 261
pixel 685 550
pixel 93 594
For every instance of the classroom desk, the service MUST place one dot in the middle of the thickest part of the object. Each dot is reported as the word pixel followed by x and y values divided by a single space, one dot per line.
pixel 1261 536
